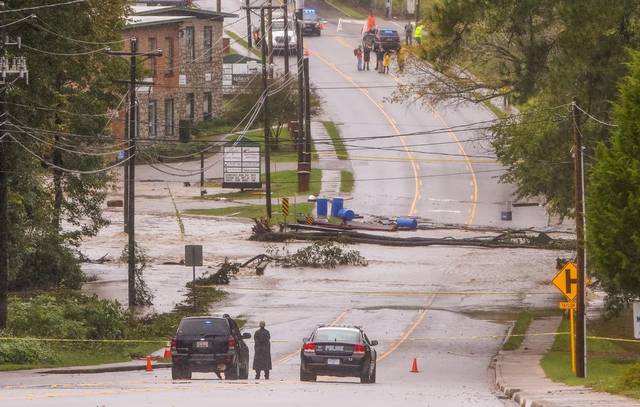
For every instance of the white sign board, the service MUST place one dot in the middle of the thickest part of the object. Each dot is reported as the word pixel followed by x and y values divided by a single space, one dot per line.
pixel 241 166
pixel 636 320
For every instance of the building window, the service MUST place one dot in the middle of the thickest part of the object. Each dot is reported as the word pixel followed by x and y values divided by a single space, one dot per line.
pixel 169 54
pixel 191 106
pixel 168 117
pixel 208 43
pixel 208 103
pixel 153 118
pixel 190 44
pixel 153 65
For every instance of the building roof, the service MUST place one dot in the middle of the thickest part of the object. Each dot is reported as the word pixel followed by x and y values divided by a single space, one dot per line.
pixel 182 10
pixel 144 9
pixel 137 21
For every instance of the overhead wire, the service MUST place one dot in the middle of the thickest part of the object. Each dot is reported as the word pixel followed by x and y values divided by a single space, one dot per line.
pixel 65 3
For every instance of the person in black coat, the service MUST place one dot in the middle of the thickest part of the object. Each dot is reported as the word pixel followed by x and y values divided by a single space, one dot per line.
pixel 262 351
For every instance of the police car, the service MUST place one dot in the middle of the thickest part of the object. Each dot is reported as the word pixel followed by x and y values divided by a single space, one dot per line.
pixel 338 350
pixel 312 24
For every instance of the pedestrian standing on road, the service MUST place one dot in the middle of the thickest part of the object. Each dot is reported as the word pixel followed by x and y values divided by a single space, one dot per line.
pixel 371 21
pixel 380 59
pixel 359 54
pixel 367 57
pixel 402 55
pixel 408 33
pixel 386 61
pixel 417 34
pixel 387 9
pixel 262 351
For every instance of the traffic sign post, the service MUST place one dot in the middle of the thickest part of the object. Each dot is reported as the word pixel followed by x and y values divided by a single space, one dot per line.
pixel 636 320
pixel 193 258
pixel 567 282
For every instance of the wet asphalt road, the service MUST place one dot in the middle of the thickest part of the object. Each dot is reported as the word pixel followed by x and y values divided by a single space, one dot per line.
pixel 440 305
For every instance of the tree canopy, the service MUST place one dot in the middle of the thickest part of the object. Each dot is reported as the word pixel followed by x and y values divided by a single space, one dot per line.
pixel 59 122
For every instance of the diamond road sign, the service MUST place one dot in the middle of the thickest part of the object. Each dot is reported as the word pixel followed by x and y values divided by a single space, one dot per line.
pixel 567 280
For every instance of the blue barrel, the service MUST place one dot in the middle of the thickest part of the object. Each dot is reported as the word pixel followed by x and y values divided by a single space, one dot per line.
pixel 336 205
pixel 321 207
pixel 407 223
pixel 346 214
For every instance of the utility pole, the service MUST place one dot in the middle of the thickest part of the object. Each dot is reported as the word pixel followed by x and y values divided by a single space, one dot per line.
pixel 125 170
pixel 249 33
pixel 418 18
pixel 265 111
pixel 131 219
pixel 219 6
pixel 581 322
pixel 270 42
pixel 15 67
pixel 4 195
pixel 286 37
pixel 131 156
pixel 303 169
pixel 307 116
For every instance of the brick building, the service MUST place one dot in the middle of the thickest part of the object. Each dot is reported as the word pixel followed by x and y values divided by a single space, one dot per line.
pixel 187 78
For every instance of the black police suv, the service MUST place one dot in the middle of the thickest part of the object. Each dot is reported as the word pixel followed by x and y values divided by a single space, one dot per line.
pixel 209 344
pixel 342 351
pixel 388 39
pixel 312 24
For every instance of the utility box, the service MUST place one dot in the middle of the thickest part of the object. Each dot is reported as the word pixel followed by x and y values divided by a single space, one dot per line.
pixel 193 255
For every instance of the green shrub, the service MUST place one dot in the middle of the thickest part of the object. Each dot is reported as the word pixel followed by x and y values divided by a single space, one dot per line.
pixel 69 316
pixel 631 378
pixel 25 352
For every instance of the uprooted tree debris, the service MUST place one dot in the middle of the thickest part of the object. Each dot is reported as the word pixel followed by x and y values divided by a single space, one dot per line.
pixel 509 239
pixel 320 254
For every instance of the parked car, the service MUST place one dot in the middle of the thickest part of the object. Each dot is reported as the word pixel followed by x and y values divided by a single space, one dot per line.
pixel 209 344
pixel 278 36
pixel 342 351
pixel 388 38
pixel 312 24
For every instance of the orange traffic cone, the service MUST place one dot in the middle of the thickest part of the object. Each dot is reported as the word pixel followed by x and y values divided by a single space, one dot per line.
pixel 167 353
pixel 414 366
pixel 149 367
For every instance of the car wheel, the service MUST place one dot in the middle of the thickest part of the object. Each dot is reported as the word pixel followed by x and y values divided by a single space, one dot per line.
pixel 186 373
pixel 176 372
pixel 307 377
pixel 373 375
pixel 233 373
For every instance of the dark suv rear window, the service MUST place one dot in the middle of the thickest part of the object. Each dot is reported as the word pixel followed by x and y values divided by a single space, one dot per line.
pixel 204 326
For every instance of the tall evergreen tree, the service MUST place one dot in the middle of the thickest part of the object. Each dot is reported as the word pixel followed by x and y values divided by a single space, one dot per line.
pixel 613 205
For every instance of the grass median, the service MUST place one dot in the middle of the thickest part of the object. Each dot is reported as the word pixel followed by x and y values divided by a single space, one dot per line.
pixel 283 184
pixel 613 367
pixel 519 330
pixel 256 211
pixel 336 140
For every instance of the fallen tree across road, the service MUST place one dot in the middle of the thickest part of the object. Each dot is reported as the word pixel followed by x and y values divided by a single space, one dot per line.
pixel 512 240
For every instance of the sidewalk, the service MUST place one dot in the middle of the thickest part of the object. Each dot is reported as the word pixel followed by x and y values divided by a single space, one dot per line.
pixel 520 376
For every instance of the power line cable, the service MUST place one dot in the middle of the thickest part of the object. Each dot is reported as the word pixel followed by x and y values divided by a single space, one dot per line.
pixel 43 6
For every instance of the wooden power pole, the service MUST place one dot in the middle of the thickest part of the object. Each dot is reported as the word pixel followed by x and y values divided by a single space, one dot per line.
pixel 581 324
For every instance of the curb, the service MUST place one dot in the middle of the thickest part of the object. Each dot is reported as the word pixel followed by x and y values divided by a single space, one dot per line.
pixel 105 369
